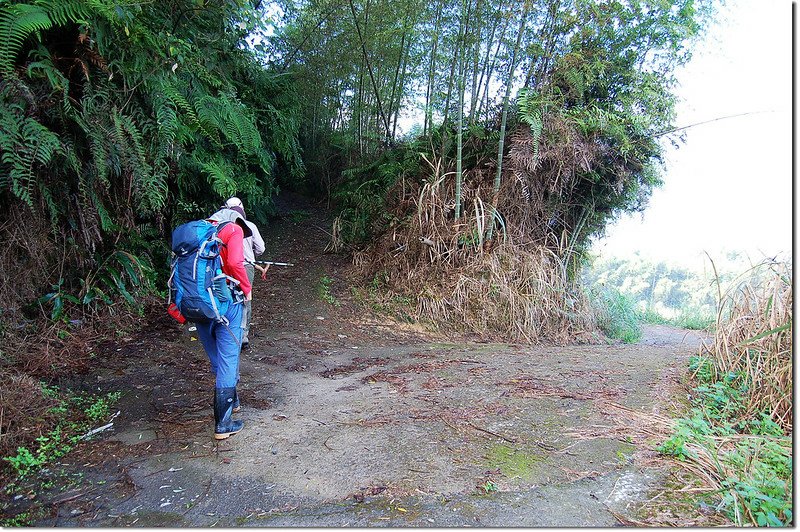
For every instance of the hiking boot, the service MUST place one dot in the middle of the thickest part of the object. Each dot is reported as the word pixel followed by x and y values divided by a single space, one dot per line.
pixel 224 424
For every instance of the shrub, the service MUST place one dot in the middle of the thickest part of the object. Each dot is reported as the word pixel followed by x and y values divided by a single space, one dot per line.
pixel 616 314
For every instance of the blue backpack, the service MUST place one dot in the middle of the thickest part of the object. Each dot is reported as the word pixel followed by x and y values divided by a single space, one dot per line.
pixel 197 284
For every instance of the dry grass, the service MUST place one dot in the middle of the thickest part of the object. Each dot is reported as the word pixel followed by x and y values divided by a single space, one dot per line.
pixel 754 339
pixel 25 411
pixel 675 505
pixel 26 262
pixel 516 286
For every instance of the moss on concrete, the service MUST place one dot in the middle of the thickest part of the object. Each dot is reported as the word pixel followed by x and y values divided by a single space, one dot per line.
pixel 513 462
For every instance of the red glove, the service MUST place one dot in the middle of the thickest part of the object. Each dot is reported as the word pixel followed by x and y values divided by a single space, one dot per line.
pixel 175 312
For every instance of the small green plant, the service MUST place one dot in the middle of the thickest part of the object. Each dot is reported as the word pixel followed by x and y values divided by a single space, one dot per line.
pixel 19 520
pixel 77 414
pixel 98 408
pixel 24 462
pixel 622 458
pixel 750 454
pixel 489 487
pixel 324 290
pixel 58 298
pixel 702 368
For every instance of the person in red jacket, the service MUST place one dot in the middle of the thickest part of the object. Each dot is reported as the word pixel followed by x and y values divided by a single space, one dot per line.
pixel 222 341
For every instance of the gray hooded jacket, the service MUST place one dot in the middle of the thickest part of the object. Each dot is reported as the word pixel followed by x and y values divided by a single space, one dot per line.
pixel 229 215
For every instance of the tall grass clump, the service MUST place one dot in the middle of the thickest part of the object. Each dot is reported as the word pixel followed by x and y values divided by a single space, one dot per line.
pixel 737 436
pixel 518 285
pixel 616 314
pixel 753 339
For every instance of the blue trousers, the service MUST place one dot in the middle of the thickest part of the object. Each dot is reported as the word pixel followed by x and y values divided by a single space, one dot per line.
pixel 223 344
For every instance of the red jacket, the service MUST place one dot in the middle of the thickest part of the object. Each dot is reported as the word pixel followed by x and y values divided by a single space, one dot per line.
pixel 233 255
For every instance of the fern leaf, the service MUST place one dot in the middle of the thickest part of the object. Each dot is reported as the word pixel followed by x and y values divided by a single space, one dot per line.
pixel 219 177
pixel 17 23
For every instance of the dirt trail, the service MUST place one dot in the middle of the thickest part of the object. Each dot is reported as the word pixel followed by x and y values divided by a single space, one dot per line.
pixel 354 421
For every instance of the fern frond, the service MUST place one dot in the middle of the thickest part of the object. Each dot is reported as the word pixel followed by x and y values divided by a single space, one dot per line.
pixel 24 143
pixel 167 122
pixel 63 12
pixel 100 156
pixel 219 177
pixel 180 101
pixel 43 66
pixel 106 220
pixel 17 23
pixel 531 110
pixel 150 188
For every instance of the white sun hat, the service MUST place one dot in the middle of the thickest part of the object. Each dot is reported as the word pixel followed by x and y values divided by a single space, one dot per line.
pixel 234 202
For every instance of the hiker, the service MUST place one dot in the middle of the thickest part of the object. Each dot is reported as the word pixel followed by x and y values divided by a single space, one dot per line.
pixel 222 341
pixel 253 245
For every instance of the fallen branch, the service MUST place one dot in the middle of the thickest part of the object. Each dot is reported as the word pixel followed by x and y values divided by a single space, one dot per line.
pixel 72 497
pixel 97 430
pixel 509 440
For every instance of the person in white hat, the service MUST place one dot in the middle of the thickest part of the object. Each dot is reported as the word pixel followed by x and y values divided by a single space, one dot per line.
pixel 253 245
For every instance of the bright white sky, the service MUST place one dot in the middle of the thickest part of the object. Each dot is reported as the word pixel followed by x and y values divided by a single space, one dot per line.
pixel 729 187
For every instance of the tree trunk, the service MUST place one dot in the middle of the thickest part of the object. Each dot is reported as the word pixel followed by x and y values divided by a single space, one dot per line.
pixel 360 109
pixel 490 71
pixel 450 83
pixel 460 133
pixel 509 82
pixel 547 37
pixel 431 73
pixel 394 109
pixel 369 70
pixel 475 104
pixel 476 47
pixel 402 84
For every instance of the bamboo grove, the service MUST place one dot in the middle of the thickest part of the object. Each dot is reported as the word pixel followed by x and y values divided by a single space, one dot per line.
pixel 451 136
pixel 533 125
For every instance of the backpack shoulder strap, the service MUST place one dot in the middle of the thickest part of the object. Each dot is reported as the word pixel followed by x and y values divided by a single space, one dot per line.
pixel 219 228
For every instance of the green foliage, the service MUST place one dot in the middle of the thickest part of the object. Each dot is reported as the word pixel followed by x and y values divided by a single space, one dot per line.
pixel 361 195
pixel 616 315
pixel 19 21
pixel 753 457
pixel 598 77
pixel 119 121
pixel 19 520
pixel 98 408
pixel 121 275
pixel 489 487
pixel 25 146
pixel 324 290
pixel 702 368
pixel 77 413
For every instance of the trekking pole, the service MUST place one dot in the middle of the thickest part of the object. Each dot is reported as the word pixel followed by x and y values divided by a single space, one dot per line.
pixel 270 263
